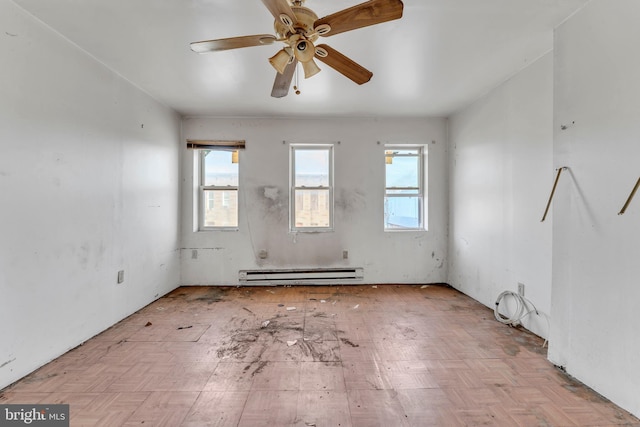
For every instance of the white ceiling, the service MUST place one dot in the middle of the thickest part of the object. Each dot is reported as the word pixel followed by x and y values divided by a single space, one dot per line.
pixel 440 56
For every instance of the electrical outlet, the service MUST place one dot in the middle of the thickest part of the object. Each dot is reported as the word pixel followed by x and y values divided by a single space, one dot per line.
pixel 521 289
pixel 345 254
pixel 120 276
pixel 194 254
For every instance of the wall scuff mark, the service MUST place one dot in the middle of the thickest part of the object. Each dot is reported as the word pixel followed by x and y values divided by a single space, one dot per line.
pixel 7 362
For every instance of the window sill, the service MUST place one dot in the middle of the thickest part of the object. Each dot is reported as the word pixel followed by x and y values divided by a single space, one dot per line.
pixel 404 230
pixel 312 231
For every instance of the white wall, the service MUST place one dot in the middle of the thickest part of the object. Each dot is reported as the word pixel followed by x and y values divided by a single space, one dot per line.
pixel 85 191
pixel 500 175
pixel 399 257
pixel 596 259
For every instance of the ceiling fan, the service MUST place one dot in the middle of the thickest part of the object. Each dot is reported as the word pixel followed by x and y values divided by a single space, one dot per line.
pixel 298 27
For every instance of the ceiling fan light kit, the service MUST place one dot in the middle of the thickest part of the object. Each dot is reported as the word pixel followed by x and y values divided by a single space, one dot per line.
pixel 310 69
pixel 298 27
pixel 280 60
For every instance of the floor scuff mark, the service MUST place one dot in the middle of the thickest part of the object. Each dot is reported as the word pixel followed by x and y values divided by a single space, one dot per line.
pixel 348 342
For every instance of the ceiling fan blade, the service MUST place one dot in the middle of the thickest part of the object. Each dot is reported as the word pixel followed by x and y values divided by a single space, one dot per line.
pixel 283 81
pixel 368 13
pixel 232 43
pixel 343 65
pixel 279 8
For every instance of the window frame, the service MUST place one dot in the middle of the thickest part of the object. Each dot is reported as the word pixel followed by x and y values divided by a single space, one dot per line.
pixel 204 189
pixel 293 189
pixel 420 190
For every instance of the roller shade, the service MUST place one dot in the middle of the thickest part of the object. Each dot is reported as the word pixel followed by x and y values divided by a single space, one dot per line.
pixel 200 144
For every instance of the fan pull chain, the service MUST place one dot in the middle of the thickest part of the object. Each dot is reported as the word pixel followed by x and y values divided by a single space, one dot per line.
pixel 297 85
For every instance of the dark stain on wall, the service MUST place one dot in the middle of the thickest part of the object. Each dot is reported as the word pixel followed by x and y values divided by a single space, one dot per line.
pixel 350 201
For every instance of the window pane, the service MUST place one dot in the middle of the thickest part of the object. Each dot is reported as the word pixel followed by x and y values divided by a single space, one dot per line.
pixel 312 208
pixel 312 168
pixel 219 169
pixel 403 172
pixel 402 212
pixel 221 209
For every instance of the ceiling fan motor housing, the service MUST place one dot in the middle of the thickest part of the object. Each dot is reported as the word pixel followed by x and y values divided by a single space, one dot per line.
pixel 305 18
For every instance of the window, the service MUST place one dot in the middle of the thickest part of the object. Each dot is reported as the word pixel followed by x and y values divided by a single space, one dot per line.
pixel 311 187
pixel 218 186
pixel 404 200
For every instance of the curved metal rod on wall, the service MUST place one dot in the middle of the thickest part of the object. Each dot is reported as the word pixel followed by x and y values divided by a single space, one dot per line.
pixel 633 193
pixel 553 191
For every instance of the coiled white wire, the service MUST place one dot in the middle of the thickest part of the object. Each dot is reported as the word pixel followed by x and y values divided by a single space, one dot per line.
pixel 519 314
pixel 516 318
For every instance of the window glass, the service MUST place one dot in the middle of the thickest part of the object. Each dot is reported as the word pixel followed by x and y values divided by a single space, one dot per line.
pixel 309 213
pixel 312 187
pixel 402 212
pixel 218 187
pixel 404 202
pixel 219 169
pixel 404 170
pixel 311 168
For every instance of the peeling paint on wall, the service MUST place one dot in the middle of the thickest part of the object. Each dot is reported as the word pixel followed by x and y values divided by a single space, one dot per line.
pixel 274 205
pixel 271 193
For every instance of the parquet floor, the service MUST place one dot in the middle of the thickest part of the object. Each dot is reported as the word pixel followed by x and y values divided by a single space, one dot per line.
pixel 345 356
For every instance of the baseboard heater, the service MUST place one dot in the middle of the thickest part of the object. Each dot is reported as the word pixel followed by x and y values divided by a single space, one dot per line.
pixel 301 276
